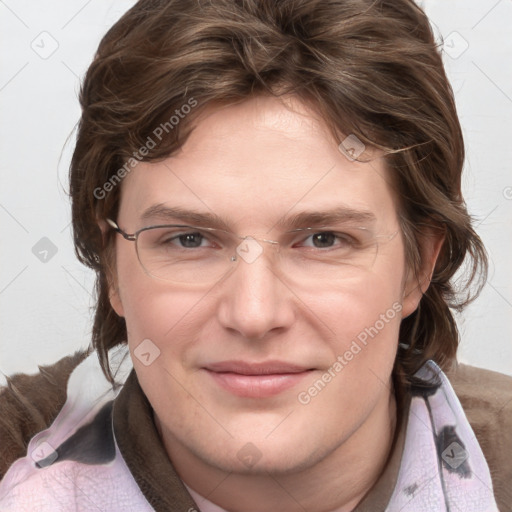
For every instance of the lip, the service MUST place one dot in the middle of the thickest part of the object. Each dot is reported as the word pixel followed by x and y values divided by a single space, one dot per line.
pixel 256 380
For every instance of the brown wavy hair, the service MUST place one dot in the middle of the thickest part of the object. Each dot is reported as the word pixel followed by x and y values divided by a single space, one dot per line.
pixel 369 67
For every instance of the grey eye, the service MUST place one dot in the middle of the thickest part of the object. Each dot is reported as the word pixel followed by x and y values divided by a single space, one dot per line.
pixel 191 240
pixel 323 239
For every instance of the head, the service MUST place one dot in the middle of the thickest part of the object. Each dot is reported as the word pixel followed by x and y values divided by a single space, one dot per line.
pixel 235 110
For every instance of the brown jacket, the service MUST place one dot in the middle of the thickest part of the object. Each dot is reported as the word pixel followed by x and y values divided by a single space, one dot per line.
pixel 30 403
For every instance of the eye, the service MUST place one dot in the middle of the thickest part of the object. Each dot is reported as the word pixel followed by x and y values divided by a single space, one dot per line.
pixel 190 240
pixel 327 240
pixel 323 239
pixel 169 239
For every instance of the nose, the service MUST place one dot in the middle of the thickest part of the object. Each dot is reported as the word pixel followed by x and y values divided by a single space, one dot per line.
pixel 254 301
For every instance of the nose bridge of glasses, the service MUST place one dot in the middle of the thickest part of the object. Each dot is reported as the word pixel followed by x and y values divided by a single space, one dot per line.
pixel 249 248
pixel 241 238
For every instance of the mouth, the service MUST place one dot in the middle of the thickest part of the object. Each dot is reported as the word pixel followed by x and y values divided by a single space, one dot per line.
pixel 256 380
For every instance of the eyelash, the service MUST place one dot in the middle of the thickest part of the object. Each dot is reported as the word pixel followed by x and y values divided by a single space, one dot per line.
pixel 341 237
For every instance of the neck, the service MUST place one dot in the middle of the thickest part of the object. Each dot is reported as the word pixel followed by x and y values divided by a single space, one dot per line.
pixel 336 484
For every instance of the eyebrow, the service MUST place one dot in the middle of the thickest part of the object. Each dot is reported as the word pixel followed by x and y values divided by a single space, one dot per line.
pixel 161 212
pixel 338 215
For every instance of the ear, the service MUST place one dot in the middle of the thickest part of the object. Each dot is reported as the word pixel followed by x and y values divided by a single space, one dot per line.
pixel 113 288
pixel 415 285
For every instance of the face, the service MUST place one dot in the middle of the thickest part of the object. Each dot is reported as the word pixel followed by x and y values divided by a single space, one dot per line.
pixel 276 354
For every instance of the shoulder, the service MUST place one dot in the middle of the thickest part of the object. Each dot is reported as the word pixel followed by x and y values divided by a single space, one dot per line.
pixel 49 489
pixel 486 397
pixel 70 485
pixel 30 403
pixel 75 464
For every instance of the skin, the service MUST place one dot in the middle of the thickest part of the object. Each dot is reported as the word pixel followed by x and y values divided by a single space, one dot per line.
pixel 254 164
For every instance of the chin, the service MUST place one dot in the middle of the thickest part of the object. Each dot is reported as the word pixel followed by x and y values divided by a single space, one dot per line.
pixel 280 456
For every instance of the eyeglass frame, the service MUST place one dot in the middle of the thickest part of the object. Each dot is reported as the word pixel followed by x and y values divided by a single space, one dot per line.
pixel 133 237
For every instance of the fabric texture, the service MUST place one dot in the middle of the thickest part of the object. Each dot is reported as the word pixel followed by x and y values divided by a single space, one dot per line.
pixel 103 452
pixel 29 404
pixel 486 397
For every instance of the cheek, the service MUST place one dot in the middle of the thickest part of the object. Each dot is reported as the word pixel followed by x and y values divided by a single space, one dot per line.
pixel 163 327
pixel 364 321
pixel 169 318
pixel 352 307
pixel 153 310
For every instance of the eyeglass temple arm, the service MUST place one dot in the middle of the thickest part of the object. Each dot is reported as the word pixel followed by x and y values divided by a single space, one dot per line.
pixel 115 227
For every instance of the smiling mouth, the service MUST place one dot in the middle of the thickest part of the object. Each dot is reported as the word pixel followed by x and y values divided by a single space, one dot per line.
pixel 256 380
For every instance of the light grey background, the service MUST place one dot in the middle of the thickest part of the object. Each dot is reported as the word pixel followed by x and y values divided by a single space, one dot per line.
pixel 45 294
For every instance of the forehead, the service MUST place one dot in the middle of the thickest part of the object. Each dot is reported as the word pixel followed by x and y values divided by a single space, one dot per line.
pixel 256 162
